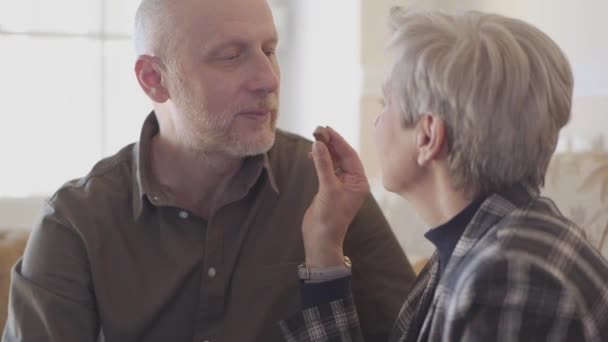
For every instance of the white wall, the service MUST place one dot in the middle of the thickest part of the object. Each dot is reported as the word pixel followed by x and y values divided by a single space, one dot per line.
pixel 321 70
pixel 20 213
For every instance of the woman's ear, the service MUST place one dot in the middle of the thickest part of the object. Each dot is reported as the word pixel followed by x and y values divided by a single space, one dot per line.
pixel 431 138
pixel 148 70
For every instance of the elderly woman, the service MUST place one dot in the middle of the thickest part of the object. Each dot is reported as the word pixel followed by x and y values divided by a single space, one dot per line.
pixel 473 108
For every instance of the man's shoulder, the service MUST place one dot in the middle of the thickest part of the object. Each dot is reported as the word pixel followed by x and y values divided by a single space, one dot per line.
pixel 110 179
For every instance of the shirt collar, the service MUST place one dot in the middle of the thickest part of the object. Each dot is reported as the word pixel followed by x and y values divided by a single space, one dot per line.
pixel 145 188
pixel 446 236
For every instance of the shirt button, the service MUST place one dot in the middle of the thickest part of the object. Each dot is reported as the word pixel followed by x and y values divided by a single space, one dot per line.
pixel 183 214
pixel 211 272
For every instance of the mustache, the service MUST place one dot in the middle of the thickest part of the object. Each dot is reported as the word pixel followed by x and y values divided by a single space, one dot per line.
pixel 269 103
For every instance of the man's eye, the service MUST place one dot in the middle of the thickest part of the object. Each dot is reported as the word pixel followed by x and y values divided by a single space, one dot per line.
pixel 270 52
pixel 230 57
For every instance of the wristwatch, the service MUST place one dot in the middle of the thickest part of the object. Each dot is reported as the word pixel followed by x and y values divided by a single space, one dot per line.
pixel 320 274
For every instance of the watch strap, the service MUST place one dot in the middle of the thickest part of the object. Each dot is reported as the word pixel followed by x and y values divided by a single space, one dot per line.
pixel 322 274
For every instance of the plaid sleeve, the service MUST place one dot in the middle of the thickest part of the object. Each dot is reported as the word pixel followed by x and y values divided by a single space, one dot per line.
pixel 314 294
pixel 334 321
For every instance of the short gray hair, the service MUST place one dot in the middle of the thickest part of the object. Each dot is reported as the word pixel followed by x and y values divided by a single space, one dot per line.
pixel 503 88
pixel 153 30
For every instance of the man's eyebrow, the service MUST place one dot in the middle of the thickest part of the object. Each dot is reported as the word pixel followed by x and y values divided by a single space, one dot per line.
pixel 219 45
pixel 237 41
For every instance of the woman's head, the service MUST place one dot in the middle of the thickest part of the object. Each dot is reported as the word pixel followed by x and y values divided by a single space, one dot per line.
pixel 501 87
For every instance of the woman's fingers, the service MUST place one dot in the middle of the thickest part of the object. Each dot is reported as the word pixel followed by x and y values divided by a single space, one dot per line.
pixel 324 165
pixel 344 153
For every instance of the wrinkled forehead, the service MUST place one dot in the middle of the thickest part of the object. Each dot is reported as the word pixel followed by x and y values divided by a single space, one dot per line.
pixel 213 20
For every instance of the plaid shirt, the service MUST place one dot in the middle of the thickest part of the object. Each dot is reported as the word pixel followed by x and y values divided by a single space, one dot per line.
pixel 520 272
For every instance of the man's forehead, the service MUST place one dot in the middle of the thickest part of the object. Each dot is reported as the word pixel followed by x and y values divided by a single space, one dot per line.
pixel 210 12
pixel 226 19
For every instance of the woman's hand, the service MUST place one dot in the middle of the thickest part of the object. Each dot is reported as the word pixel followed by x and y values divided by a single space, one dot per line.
pixel 343 187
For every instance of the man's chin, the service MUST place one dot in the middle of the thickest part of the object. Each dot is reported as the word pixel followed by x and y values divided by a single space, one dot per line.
pixel 254 146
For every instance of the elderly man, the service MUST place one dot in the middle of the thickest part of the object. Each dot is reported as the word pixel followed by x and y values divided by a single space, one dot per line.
pixel 193 233
pixel 473 108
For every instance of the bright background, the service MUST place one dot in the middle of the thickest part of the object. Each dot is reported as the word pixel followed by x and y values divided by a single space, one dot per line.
pixel 68 95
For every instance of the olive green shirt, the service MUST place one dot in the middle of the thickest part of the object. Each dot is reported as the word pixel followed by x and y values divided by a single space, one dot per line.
pixel 114 259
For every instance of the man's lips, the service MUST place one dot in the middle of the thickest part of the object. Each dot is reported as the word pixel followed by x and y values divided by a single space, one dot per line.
pixel 256 114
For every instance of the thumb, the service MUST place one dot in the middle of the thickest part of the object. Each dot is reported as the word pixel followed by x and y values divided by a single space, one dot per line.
pixel 323 165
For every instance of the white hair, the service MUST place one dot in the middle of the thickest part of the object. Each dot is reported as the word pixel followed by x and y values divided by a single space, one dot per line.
pixel 153 34
pixel 503 88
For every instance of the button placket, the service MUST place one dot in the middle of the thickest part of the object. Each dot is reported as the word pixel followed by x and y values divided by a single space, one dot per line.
pixel 213 284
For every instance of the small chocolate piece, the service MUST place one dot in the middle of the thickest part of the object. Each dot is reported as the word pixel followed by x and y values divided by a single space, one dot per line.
pixel 321 134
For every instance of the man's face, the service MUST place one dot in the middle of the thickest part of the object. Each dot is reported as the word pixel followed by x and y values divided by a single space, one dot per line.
pixel 224 92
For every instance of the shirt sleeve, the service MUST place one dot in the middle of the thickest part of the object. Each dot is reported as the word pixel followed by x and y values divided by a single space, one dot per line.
pixel 333 321
pixel 314 294
pixel 51 296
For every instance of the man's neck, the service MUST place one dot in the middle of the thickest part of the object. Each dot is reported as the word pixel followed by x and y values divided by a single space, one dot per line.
pixel 196 179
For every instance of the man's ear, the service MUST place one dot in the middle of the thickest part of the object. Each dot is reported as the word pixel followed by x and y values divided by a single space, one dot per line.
pixel 431 138
pixel 148 70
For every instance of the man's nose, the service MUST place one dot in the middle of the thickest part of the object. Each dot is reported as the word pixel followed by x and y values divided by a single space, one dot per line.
pixel 265 74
